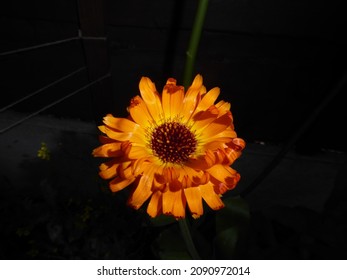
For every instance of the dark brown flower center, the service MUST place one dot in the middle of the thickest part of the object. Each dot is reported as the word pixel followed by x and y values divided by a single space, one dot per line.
pixel 173 142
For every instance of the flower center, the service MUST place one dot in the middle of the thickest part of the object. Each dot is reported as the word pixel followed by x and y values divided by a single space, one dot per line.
pixel 173 142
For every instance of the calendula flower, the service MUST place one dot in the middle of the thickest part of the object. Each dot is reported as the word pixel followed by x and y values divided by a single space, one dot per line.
pixel 174 148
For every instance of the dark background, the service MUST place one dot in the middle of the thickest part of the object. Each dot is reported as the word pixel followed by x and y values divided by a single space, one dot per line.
pixel 276 62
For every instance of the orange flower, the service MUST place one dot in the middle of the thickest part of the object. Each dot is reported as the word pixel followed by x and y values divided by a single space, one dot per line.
pixel 175 148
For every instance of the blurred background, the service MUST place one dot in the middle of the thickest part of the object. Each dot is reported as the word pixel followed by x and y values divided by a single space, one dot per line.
pixel 65 64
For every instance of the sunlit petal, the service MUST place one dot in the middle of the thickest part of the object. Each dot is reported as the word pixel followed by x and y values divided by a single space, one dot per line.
pixel 119 183
pixel 139 112
pixel 209 98
pixel 172 99
pixel 174 203
pixel 112 149
pixel 121 124
pixel 217 126
pixel 137 152
pixel 192 98
pixel 154 207
pixel 151 98
pixel 204 118
pixel 194 200
pixel 142 192
pixel 212 199
pixel 224 174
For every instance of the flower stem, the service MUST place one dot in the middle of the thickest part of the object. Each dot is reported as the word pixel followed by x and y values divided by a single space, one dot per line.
pixel 184 227
pixel 194 42
pixel 187 79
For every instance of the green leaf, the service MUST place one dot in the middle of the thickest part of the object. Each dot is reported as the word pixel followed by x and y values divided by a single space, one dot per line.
pixel 162 220
pixel 232 223
pixel 225 243
pixel 234 214
pixel 170 246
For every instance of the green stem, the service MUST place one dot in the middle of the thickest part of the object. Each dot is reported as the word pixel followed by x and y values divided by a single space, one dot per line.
pixel 187 79
pixel 194 42
pixel 184 227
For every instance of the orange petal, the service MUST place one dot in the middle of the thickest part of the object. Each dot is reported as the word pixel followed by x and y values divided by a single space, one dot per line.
pixel 143 190
pixel 137 152
pixel 192 98
pixel 214 145
pixel 108 150
pixel 154 207
pixel 225 135
pixel 223 107
pixel 125 136
pixel 231 156
pixel 186 182
pixel 174 186
pixel 108 172
pixel 224 174
pixel 198 163
pixel 151 98
pixel 204 118
pixel 124 170
pixel 121 124
pixel 174 204
pixel 220 188
pixel 217 126
pixel 170 174
pixel 196 84
pixel 211 198
pixel 194 174
pixel 119 183
pixel 105 140
pixel 194 201
pixel 141 165
pixel 172 99
pixel 102 128
pixel 139 112
pixel 208 99
pixel 237 144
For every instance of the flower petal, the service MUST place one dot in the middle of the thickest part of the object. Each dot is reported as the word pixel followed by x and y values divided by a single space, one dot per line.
pixel 140 165
pixel 223 107
pixel 170 174
pixel 237 144
pixel 194 200
pixel 121 124
pixel 225 136
pixel 151 98
pixel 119 183
pixel 137 152
pixel 212 199
pixel 217 126
pixel 143 190
pixel 195 175
pixel 172 99
pixel 204 118
pixel 224 174
pixel 174 204
pixel 135 136
pixel 139 112
pixel 192 98
pixel 108 150
pixel 109 173
pixel 209 98
pixel 154 207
